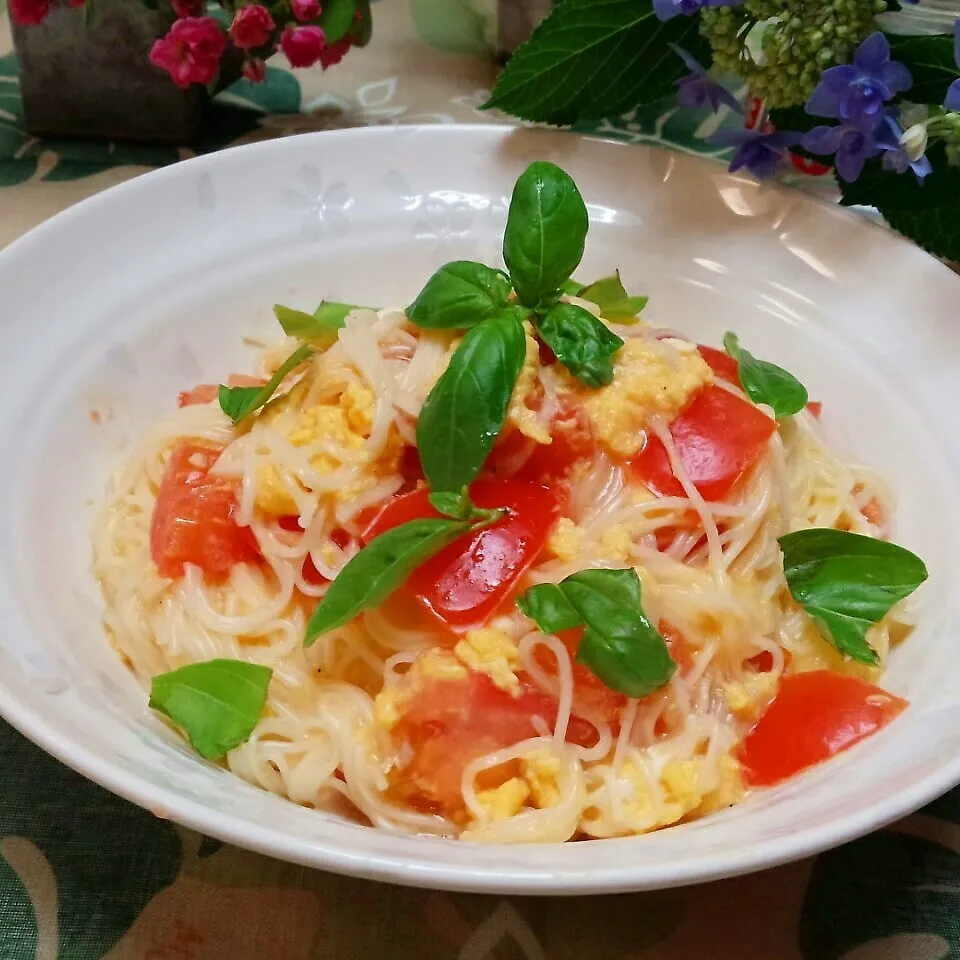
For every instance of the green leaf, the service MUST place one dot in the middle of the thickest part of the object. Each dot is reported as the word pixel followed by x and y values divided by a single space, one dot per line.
pixel 620 645
pixel 322 326
pixel 216 703
pixel 362 29
pixel 238 402
pixel 461 507
pixel 766 382
pixel 932 64
pixel 337 19
pixel 379 569
pixel 459 295
pixel 548 607
pixel 546 231
pixel 582 343
pixel 592 59
pixel 455 26
pixel 464 412
pixel 613 300
pixel 928 213
pixel 847 582
pixel 572 288
pixel 278 93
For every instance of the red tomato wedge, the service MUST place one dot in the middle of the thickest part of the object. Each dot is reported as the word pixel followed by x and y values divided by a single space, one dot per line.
pixel 814 716
pixel 465 583
pixel 193 518
pixel 208 392
pixel 721 363
pixel 719 437
pixel 449 723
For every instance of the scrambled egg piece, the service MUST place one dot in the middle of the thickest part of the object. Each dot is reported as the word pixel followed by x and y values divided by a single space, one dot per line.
pixel 565 540
pixel 679 778
pixel 519 413
pixel 747 698
pixel 616 543
pixel 647 382
pixel 540 771
pixel 433 664
pixel 730 791
pixel 504 801
pixel 491 651
pixel 346 421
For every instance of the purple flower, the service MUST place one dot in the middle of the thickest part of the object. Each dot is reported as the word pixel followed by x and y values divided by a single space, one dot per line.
pixel 759 152
pixel 698 90
pixel 668 9
pixel 855 93
pixel 896 153
pixel 852 146
pixel 953 94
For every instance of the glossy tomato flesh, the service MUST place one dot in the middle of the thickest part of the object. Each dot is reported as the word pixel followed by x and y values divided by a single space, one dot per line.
pixel 194 517
pixel 814 716
pixel 469 580
pixel 718 437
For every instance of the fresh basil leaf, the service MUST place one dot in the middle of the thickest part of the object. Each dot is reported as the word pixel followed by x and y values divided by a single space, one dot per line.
pixel 461 507
pixel 766 382
pixel 593 59
pixel 613 300
pixel 546 231
pixel 379 569
pixel 239 402
pixel 572 287
pixel 619 645
pixel 847 582
pixel 465 411
pixel 460 295
pixel 547 606
pixel 321 326
pixel 337 17
pixel 216 703
pixel 582 343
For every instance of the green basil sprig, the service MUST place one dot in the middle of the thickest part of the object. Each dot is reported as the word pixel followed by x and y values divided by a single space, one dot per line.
pixel 619 645
pixel 322 326
pixel 460 295
pixel 239 402
pixel 216 703
pixel 380 568
pixel 461 507
pixel 609 294
pixel 581 342
pixel 766 382
pixel 847 582
pixel 465 411
pixel 546 232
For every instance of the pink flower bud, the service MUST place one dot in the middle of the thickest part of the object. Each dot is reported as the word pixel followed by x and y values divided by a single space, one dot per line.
pixel 251 27
pixel 29 13
pixel 191 51
pixel 255 70
pixel 303 45
pixel 305 10
pixel 335 52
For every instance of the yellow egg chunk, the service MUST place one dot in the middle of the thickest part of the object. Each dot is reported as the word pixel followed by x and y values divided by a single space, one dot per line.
pixel 616 543
pixel 504 801
pixel 731 789
pixel 519 413
pixel 679 778
pixel 747 699
pixel 565 540
pixel 540 770
pixel 492 652
pixel 649 379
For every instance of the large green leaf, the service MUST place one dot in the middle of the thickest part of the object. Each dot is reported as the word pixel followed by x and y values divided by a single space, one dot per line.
pixel 931 61
pixel 596 58
pixel 278 93
pixel 455 26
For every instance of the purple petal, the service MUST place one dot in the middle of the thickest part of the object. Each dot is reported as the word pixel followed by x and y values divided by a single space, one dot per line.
pixel 849 164
pixel 839 78
pixel 824 102
pixel 692 64
pixel 731 138
pixel 823 139
pixel 922 167
pixel 896 160
pixel 953 96
pixel 691 92
pixel 665 9
pixel 896 77
pixel 764 163
pixel 719 94
pixel 873 53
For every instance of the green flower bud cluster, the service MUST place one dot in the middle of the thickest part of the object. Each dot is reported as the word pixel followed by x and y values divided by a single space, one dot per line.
pixel 950 131
pixel 792 42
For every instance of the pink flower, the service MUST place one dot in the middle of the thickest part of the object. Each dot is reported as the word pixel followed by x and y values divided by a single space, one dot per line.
pixel 334 53
pixel 305 10
pixel 28 13
pixel 255 70
pixel 191 51
pixel 303 45
pixel 251 27
pixel 187 8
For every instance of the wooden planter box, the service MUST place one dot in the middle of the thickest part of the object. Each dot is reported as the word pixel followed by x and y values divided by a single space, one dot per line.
pixel 97 81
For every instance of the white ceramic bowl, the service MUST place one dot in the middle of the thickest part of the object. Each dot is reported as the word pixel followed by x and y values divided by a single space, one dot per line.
pixel 123 300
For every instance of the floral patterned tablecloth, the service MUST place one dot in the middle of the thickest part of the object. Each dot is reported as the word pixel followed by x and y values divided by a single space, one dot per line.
pixel 86 875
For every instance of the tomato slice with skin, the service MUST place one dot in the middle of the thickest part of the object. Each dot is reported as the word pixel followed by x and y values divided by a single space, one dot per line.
pixel 449 723
pixel 469 580
pixel 721 363
pixel 813 717
pixel 194 517
pixel 718 436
